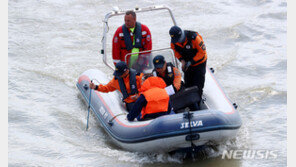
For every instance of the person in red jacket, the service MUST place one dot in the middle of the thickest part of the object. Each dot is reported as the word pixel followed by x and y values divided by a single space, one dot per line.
pixel 126 81
pixel 153 102
pixel 131 37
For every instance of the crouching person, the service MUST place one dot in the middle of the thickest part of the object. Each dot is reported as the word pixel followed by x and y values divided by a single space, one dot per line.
pixel 153 101
pixel 126 81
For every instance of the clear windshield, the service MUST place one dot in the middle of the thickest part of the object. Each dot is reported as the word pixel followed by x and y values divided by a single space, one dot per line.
pixel 142 61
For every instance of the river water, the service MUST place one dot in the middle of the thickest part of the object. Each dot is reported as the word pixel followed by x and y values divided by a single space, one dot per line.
pixel 51 42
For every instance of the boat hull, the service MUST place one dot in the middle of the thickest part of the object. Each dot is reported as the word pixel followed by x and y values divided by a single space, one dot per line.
pixel 216 122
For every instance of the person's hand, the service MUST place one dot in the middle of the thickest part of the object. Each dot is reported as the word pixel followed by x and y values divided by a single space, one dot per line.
pixel 147 76
pixel 92 85
pixel 134 97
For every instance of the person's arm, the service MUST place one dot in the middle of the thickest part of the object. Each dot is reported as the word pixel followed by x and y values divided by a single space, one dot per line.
pixel 148 42
pixel 110 87
pixel 139 79
pixel 200 46
pixel 137 108
pixel 116 47
pixel 178 56
pixel 177 79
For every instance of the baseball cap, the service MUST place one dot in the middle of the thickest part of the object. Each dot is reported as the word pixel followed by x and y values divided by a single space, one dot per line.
pixel 158 61
pixel 120 68
pixel 175 33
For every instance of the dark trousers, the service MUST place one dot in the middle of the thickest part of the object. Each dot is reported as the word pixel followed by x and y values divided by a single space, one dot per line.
pixel 138 106
pixel 195 76
pixel 129 106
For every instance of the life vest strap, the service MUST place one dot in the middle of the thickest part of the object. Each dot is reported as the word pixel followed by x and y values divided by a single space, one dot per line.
pixel 137 37
pixel 133 85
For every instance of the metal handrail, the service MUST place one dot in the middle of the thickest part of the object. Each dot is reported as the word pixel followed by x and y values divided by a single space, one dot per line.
pixel 116 12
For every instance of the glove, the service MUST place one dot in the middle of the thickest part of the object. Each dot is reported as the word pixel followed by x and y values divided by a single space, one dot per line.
pixel 92 85
pixel 134 97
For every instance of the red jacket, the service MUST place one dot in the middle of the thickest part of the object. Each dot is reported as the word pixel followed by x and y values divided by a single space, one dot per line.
pixel 119 47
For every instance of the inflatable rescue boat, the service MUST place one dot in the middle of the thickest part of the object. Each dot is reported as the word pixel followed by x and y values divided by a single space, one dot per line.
pixel 216 121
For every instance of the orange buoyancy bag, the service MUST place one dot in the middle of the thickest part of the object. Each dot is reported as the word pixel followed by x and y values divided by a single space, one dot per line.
pixel 157 101
pixel 152 82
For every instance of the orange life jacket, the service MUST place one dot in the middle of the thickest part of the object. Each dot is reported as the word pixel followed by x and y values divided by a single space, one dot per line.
pixel 155 95
pixel 193 49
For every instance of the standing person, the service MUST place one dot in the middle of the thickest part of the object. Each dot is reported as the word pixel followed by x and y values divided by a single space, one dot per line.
pixel 153 102
pixel 190 49
pixel 168 72
pixel 126 81
pixel 131 37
